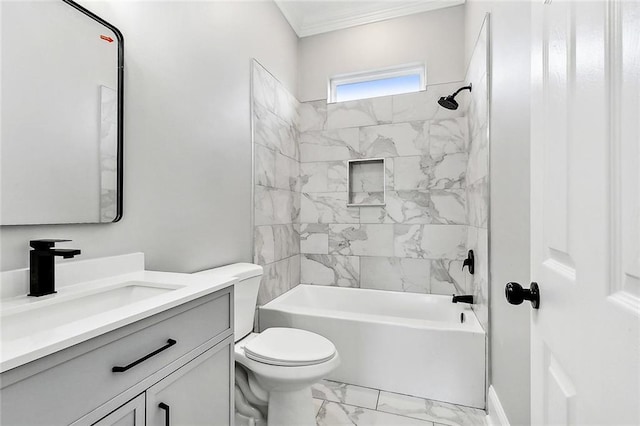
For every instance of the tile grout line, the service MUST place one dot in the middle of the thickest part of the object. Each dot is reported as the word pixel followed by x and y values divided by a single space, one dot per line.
pixel 386 412
pixel 353 405
pixel 350 405
pixel 405 395
pixel 351 384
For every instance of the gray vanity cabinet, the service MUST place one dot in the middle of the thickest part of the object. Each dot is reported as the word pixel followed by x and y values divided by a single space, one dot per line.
pixel 193 375
pixel 130 414
pixel 196 394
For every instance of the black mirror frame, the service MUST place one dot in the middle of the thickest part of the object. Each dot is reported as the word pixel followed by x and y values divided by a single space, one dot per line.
pixel 120 131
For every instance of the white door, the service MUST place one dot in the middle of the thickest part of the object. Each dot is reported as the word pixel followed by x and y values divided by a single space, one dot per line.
pixel 585 201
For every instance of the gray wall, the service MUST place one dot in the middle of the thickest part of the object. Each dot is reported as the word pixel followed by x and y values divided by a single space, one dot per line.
pixel 435 38
pixel 509 240
pixel 187 133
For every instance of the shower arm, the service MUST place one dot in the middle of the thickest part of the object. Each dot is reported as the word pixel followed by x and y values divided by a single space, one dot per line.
pixel 461 89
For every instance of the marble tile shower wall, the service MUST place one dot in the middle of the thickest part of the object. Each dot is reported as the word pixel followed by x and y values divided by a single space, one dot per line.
pixel 436 190
pixel 477 177
pixel 417 241
pixel 276 184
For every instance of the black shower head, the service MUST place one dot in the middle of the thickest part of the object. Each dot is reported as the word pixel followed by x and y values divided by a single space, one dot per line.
pixel 449 102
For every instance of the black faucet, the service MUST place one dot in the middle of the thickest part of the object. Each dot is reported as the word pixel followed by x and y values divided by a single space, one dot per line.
pixel 463 298
pixel 42 267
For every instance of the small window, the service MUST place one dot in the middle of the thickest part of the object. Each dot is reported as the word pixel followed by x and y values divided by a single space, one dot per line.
pixel 370 84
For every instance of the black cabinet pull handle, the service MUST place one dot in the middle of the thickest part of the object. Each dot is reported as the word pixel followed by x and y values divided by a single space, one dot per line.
pixel 117 369
pixel 167 419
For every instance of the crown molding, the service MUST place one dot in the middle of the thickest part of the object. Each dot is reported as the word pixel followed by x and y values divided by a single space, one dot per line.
pixel 352 16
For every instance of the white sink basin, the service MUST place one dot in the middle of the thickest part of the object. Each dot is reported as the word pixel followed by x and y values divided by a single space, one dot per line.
pixel 48 314
pixel 95 296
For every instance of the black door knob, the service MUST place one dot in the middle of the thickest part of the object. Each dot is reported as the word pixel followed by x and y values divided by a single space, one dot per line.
pixel 515 294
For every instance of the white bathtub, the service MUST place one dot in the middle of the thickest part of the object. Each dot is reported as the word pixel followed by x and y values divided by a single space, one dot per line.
pixel 408 343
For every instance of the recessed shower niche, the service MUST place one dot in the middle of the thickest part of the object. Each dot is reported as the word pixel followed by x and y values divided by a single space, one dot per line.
pixel 366 182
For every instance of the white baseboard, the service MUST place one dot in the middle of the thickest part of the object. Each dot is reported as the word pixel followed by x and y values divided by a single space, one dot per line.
pixel 495 413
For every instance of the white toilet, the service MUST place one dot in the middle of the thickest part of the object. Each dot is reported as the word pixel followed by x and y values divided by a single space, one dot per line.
pixel 281 363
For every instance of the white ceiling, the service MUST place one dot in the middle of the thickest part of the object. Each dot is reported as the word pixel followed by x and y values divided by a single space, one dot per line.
pixel 309 17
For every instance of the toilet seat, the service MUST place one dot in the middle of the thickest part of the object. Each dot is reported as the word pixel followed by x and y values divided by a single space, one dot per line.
pixel 289 347
pixel 276 377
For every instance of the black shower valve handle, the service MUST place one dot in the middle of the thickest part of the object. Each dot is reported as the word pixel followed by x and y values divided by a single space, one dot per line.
pixel 469 262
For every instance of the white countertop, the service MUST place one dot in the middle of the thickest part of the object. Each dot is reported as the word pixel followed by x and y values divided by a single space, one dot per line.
pixel 17 350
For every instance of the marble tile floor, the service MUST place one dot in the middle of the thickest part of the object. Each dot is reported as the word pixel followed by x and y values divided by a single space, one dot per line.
pixel 340 404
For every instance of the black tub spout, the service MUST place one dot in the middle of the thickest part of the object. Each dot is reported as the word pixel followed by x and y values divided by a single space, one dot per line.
pixel 463 298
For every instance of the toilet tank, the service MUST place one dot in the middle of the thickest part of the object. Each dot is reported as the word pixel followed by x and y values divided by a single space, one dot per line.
pixel 245 293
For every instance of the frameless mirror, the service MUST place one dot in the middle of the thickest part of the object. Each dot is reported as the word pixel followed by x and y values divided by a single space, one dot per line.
pixel 61 114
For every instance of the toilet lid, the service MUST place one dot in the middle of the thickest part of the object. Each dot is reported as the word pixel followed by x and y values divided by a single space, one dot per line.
pixel 289 347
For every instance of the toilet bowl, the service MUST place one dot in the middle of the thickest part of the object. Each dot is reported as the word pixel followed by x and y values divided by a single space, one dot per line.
pixel 287 371
pixel 280 363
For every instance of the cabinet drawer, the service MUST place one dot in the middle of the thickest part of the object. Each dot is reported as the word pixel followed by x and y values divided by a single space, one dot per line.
pixel 73 388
